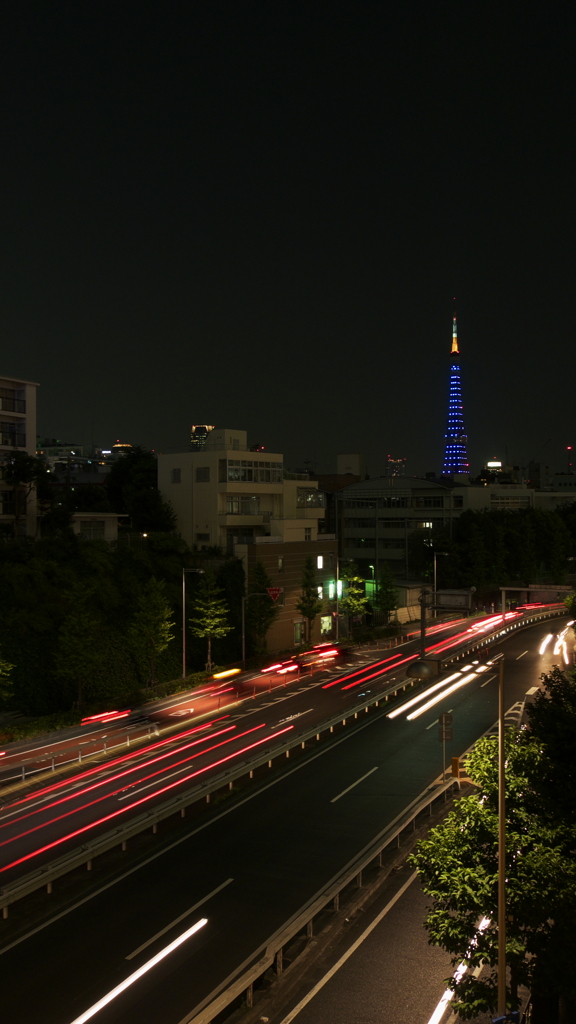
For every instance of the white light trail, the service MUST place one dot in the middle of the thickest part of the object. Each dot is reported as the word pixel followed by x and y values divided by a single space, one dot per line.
pixel 138 974
pixel 544 643
pixel 440 696
pixel 421 696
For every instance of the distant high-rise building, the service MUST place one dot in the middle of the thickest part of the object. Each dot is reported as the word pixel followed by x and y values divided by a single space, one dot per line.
pixel 455 452
pixel 395 467
pixel 198 435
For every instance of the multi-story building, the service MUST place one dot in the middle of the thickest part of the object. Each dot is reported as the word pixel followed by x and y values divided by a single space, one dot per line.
pixel 284 562
pixel 17 432
pixel 376 517
pixel 244 501
pixel 226 494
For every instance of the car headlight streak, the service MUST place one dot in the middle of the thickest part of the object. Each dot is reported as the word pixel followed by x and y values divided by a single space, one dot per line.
pixel 138 974
pixel 421 696
pixel 440 690
pixel 440 696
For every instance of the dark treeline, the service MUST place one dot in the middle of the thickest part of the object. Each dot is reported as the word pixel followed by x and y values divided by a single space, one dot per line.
pixel 72 613
pixel 492 547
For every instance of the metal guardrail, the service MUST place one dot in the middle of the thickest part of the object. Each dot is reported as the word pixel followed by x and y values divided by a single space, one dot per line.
pixel 84 854
pixel 271 950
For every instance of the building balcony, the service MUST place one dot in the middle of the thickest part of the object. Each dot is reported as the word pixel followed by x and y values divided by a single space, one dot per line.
pixel 238 519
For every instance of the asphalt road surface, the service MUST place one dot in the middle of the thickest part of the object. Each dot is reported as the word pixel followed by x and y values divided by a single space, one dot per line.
pixel 36 828
pixel 247 868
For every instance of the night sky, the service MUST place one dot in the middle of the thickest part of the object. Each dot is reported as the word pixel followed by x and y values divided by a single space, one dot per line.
pixel 256 214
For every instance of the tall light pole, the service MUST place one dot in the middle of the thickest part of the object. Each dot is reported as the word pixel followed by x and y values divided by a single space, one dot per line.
pixel 501 847
pixel 422 599
pixel 435 588
pixel 184 571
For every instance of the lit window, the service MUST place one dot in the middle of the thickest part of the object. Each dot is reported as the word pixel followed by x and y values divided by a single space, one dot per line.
pixel 320 593
pixel 331 591
pixel 339 588
pixel 280 564
pixel 320 561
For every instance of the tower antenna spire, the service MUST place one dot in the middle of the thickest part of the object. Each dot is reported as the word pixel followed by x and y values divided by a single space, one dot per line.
pixel 454 331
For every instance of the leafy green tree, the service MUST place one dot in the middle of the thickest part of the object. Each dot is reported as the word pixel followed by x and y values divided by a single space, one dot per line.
pixel 458 868
pixel 386 596
pixel 210 618
pixel 151 629
pixel 353 601
pixel 6 684
pixel 309 604
pixel 132 487
pixel 79 653
pixel 261 610
pixel 21 472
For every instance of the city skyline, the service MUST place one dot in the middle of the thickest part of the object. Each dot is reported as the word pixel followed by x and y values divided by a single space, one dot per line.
pixel 257 216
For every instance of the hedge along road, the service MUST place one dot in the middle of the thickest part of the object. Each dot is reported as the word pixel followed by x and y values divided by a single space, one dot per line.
pixel 247 869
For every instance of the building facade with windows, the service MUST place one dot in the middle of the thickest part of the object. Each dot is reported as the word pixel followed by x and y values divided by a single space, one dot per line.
pixel 375 518
pixel 17 432
pixel 284 562
pixel 227 494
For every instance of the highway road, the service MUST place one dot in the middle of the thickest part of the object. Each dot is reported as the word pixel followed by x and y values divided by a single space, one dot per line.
pixel 39 826
pixel 29 757
pixel 246 867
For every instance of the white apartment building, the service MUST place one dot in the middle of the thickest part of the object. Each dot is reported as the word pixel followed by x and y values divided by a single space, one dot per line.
pixel 17 431
pixel 226 494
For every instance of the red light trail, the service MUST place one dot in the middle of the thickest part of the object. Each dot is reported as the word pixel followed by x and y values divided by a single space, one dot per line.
pixel 120 775
pixel 137 803
pixel 117 760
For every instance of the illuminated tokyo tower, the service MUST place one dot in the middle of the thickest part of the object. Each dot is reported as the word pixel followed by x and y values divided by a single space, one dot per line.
pixel 455 453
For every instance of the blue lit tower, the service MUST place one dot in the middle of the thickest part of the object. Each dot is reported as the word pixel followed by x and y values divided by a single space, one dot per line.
pixel 455 453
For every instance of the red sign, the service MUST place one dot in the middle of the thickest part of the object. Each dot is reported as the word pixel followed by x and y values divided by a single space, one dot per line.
pixel 274 592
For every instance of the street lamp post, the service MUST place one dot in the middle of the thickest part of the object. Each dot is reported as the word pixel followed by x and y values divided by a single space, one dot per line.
pixel 435 587
pixel 184 571
pixel 422 600
pixel 501 847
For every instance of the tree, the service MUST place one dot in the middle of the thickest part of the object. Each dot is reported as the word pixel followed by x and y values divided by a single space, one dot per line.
pixel 261 610
pixel 132 487
pixel 210 618
pixel 6 685
pixel 309 604
pixel 21 472
pixel 150 632
pixel 353 601
pixel 79 654
pixel 386 596
pixel 458 868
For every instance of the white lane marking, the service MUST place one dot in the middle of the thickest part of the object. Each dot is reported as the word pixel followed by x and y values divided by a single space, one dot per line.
pixel 437 720
pixel 133 792
pixel 207 824
pixel 92 1010
pixel 358 781
pixel 290 718
pixel 521 655
pixel 178 919
pixel 486 681
pixel 329 974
